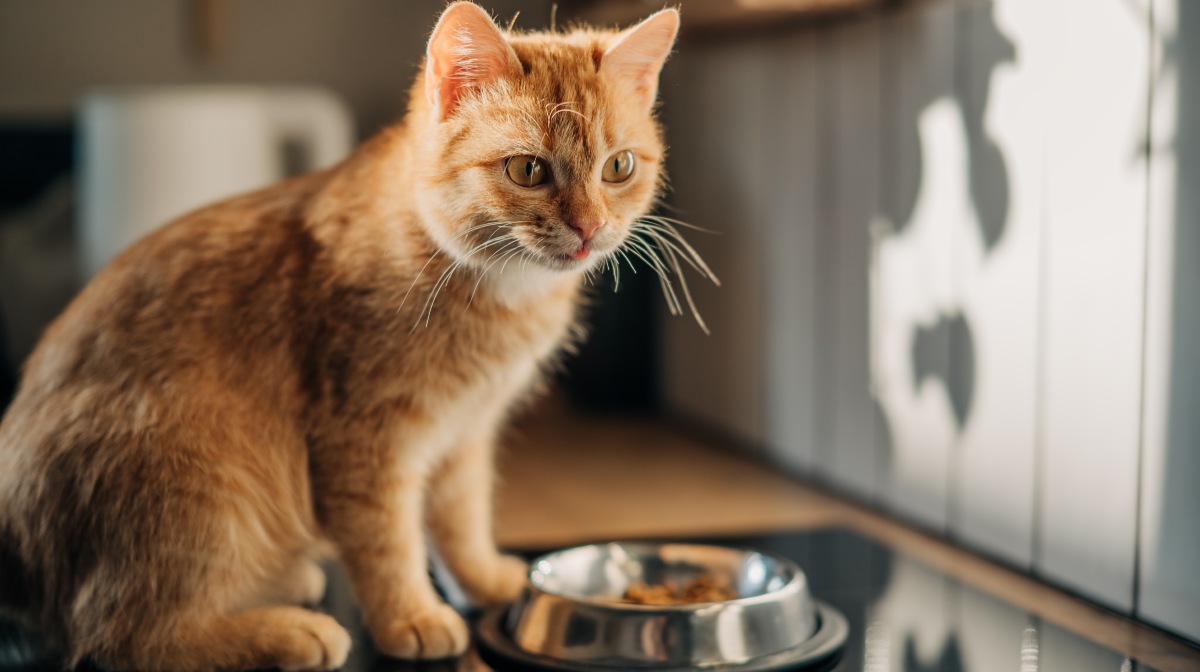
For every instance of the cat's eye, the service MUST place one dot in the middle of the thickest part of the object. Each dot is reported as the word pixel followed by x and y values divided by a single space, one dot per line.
pixel 619 167
pixel 527 171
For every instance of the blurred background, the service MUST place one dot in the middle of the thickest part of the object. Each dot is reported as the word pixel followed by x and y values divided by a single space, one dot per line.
pixel 959 240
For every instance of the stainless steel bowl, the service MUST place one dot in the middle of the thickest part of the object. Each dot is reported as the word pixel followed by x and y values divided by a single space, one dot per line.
pixel 572 613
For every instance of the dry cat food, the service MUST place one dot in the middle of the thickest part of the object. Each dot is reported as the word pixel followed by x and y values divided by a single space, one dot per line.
pixel 703 588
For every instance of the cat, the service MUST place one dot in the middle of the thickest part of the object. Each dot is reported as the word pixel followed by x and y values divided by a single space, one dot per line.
pixel 322 367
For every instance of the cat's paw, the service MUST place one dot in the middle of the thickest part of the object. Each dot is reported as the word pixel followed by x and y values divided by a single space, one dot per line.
pixel 436 632
pixel 310 584
pixel 500 582
pixel 316 642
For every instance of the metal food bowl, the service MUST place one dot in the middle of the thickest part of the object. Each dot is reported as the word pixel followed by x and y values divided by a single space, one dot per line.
pixel 573 615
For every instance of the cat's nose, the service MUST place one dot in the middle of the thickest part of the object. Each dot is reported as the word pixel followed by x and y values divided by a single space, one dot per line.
pixel 586 227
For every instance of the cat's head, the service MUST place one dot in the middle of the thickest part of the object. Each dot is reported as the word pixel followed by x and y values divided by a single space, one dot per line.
pixel 540 147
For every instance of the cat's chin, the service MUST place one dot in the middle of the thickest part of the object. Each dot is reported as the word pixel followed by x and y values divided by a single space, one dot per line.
pixel 567 263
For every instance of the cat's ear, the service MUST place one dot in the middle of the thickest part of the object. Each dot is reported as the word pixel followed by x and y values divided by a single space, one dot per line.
pixel 637 55
pixel 467 50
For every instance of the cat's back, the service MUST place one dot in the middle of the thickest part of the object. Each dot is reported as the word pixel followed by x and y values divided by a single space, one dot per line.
pixel 199 300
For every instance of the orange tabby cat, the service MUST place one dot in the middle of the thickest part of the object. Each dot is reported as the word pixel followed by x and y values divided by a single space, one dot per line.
pixel 324 365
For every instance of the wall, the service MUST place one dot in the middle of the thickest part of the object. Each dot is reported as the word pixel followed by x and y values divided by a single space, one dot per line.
pixel 366 50
pixel 959 267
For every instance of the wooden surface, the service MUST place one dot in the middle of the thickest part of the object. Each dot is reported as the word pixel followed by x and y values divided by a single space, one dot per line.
pixel 569 478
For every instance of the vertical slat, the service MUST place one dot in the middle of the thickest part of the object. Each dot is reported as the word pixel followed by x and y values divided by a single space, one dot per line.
pixel 1169 581
pixel 1004 110
pixel 917 300
pixel 1094 290
pixel 717 379
pixel 847 454
pixel 789 247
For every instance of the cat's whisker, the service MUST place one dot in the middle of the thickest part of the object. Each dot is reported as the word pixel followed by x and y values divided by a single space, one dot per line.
pixel 632 267
pixel 449 270
pixel 687 294
pixel 438 251
pixel 648 254
pixel 680 245
pixel 668 245
pixel 645 249
pixel 448 274
pixel 492 260
pixel 641 249
pixel 679 222
pixel 519 252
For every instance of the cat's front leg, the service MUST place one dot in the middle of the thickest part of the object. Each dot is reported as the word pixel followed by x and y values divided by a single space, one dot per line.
pixel 460 521
pixel 375 516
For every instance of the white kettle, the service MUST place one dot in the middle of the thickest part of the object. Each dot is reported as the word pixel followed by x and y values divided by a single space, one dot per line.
pixel 150 154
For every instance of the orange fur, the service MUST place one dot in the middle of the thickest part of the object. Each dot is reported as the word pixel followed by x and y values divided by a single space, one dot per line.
pixel 321 364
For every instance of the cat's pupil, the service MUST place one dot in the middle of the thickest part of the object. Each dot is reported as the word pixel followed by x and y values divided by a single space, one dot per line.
pixel 528 169
pixel 617 166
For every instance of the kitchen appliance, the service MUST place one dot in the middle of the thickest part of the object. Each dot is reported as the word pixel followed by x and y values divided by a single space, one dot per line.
pixel 150 154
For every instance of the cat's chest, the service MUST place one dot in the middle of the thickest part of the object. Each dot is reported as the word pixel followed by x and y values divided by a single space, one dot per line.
pixel 480 350
pixel 468 378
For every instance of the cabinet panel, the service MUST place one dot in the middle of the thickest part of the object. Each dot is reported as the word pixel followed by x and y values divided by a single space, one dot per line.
pixel 1005 51
pixel 1169 584
pixel 1094 291
pixel 916 284
pixel 848 452
pixel 790 248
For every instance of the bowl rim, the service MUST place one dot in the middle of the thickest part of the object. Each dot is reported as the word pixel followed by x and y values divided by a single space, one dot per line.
pixel 797 582
pixel 824 647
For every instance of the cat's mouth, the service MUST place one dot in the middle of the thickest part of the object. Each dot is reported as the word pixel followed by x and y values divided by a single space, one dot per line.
pixel 572 260
pixel 580 254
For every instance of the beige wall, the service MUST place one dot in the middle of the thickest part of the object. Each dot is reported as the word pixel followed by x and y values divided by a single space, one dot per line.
pixel 366 50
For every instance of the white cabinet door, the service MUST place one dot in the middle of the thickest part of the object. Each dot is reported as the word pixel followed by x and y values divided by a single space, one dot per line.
pixel 1169 578
pixel 1006 50
pixel 1094 291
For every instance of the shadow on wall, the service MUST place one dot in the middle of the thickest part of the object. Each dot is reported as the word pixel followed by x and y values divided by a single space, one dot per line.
pixel 945 350
pixel 950 334
pixel 1169 587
